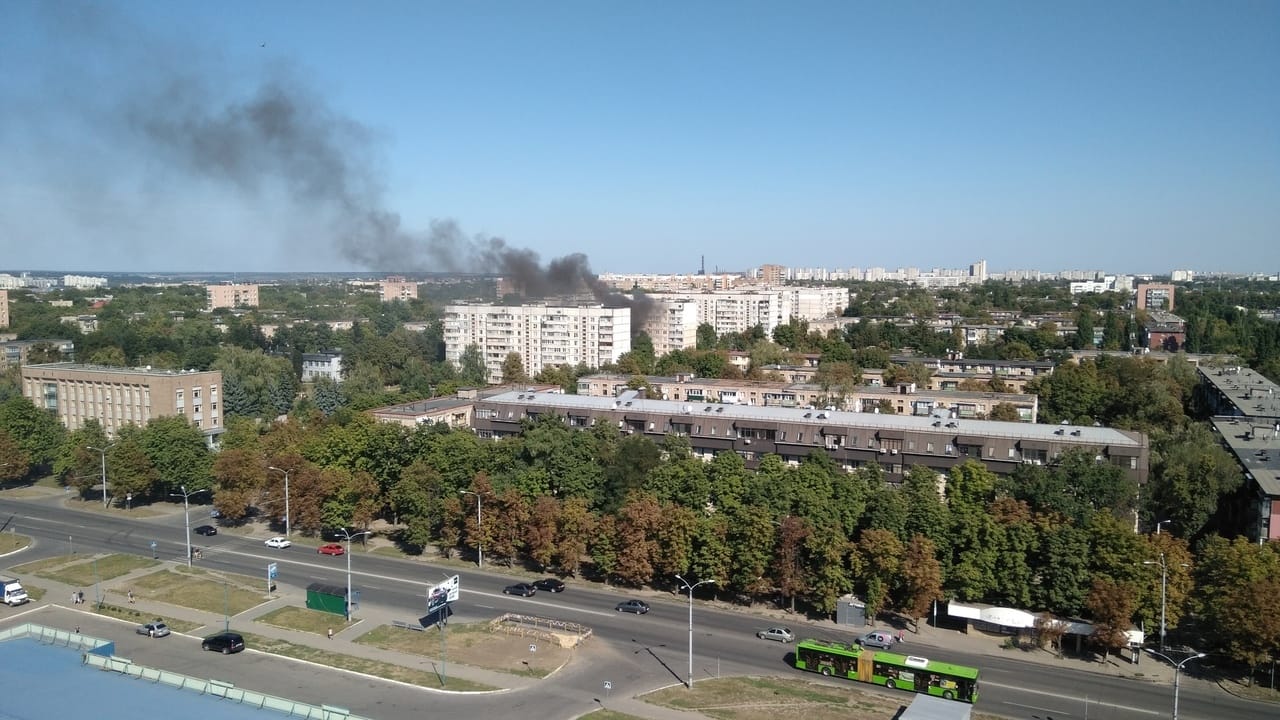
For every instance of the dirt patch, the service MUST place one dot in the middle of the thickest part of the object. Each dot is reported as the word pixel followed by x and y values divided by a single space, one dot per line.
pixel 475 645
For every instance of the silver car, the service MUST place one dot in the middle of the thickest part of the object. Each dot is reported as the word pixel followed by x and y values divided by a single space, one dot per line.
pixel 781 634
pixel 155 629
pixel 877 639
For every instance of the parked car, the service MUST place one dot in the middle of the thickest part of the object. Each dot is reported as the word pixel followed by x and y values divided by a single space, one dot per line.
pixel 205 530
pixel 224 642
pixel 551 585
pixel 331 549
pixel 521 589
pixel 639 607
pixel 278 542
pixel 781 634
pixel 155 630
pixel 215 513
pixel 876 639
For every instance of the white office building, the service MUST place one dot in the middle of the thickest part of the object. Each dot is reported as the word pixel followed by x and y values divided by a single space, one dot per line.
pixel 542 335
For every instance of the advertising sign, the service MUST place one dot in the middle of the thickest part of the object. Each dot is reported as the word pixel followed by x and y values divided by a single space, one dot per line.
pixel 442 594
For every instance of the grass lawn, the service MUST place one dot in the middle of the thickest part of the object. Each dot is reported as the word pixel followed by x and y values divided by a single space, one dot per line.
pixel 607 714
pixel 37 567
pixel 11 542
pixel 423 678
pixel 88 570
pixel 751 698
pixel 474 645
pixel 305 620
pixel 198 590
pixel 139 617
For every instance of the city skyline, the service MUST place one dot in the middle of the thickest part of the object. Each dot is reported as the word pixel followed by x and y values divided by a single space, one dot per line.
pixel 159 137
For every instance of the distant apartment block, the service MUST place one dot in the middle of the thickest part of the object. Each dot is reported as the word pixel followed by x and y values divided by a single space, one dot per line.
pixel 327 364
pixel 542 335
pixel 4 308
pixel 1153 296
pixel 85 323
pixel 18 352
pixel 672 325
pixel 83 281
pixel 671 283
pixel 231 295
pixel 772 274
pixel 731 311
pixel 116 397
pixel 397 288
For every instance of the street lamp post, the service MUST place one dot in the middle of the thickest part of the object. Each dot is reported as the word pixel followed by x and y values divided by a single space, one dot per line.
pixel 1177 674
pixel 1162 522
pixel 685 584
pixel 346 534
pixel 479 529
pixel 102 450
pixel 1164 583
pixel 186 511
pixel 286 495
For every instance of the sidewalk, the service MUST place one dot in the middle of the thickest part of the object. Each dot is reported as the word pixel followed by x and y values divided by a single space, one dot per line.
pixel 369 616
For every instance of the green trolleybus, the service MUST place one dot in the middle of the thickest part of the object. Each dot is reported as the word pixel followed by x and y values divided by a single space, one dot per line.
pixel 908 672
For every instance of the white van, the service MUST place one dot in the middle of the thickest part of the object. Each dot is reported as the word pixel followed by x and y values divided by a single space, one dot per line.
pixel 14 594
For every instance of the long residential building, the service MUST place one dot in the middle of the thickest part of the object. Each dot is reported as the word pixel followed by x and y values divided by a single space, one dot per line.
pixel 905 399
pixel 853 440
pixel 116 396
pixel 1247 419
pixel 542 335
pixel 4 308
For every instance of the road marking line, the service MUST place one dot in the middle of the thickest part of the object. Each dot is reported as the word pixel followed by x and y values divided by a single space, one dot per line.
pixel 1061 696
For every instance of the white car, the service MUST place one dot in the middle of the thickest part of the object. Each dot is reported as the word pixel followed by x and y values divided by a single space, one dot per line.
pixel 278 542
pixel 781 634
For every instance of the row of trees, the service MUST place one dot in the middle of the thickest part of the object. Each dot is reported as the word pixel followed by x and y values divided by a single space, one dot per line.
pixel 626 510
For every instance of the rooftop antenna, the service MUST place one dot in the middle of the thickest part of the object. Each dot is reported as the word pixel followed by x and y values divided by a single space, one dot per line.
pixel 702 270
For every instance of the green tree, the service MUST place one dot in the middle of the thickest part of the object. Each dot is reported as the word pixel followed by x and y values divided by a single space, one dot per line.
pixel 513 368
pixel 471 368
pixel 974 532
pixel 706 337
pixel 14 461
pixel 36 431
pixel 178 451
pixel 1006 412
pixel 1111 605
pixel 878 562
pixel 921 582
pixel 576 528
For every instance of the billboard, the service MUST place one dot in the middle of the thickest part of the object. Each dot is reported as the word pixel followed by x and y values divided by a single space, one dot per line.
pixel 442 594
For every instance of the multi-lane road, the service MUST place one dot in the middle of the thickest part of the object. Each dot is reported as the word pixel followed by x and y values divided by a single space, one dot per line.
pixel 640 652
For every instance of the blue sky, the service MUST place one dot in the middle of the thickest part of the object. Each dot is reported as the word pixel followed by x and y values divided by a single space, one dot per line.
pixel 1128 137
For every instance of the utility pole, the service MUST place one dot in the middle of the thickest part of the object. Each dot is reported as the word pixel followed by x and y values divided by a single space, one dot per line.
pixel 347 534
pixel 102 450
pixel 479 529
pixel 286 495
pixel 186 511
pixel 685 584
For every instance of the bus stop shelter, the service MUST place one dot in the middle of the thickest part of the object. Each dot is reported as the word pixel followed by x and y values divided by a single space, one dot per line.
pixel 928 707
pixel 328 598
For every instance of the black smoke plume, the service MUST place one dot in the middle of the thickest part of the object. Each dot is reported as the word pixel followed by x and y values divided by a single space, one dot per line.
pixel 281 142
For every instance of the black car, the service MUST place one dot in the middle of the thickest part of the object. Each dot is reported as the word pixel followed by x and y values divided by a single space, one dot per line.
pixel 638 607
pixel 521 589
pixel 205 530
pixel 224 642
pixel 549 585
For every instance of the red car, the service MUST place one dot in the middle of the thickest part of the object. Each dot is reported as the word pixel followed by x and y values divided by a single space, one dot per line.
pixel 331 549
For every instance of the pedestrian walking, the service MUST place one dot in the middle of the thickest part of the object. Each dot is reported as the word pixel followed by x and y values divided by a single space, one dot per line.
pixel 81 597
pixel 130 597
pixel 75 598
pixel 330 633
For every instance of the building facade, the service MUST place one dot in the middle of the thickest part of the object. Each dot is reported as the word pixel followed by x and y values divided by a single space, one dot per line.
pixel 1153 296
pixel 116 397
pixel 672 325
pixel 4 308
pixel 326 364
pixel 905 399
pixel 1246 407
pixel 231 295
pixel 853 440
pixel 542 335
pixel 397 288
pixel 18 352
pixel 734 311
